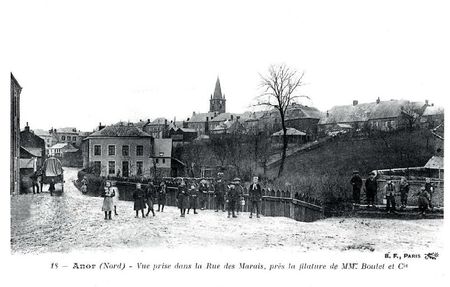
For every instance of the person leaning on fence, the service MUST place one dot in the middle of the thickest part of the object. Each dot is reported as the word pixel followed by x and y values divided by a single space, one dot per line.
pixel 371 189
pixel 232 198
pixel 255 196
pixel 139 200
pixel 108 201
pixel 404 190
pixel 182 198
pixel 219 192
pixel 423 200
pixel 356 182
pixel 162 196
pixel 193 199
pixel 430 189
pixel 389 194
pixel 150 194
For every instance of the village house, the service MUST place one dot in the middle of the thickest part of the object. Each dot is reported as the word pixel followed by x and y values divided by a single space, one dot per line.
pixel 182 135
pixel 32 156
pixel 432 117
pixel 378 115
pixel 67 135
pixel 120 149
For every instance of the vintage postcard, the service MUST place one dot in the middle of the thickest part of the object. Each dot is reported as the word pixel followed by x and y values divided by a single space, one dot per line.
pixel 225 142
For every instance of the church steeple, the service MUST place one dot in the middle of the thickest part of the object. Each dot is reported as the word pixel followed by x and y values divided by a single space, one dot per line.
pixel 217 90
pixel 217 101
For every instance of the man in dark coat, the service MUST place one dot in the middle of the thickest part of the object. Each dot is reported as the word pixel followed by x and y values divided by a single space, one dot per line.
pixel 371 189
pixel 357 183
pixel 51 188
pixel 219 192
pixel 404 190
pixel 139 200
pixel 255 196
pixel 232 198
pixel 203 190
pixel 389 193
pixel 182 198
pixel 162 196
pixel 150 196
pixel 193 198
pixel 34 179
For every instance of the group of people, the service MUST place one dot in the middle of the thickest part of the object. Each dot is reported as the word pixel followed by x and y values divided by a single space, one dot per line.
pixel 190 195
pixel 227 196
pixel 390 191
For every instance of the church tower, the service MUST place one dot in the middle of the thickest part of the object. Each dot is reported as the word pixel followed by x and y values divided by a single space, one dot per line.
pixel 217 101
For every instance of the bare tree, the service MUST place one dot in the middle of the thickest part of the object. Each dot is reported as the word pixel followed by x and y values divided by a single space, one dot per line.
pixel 412 113
pixel 280 88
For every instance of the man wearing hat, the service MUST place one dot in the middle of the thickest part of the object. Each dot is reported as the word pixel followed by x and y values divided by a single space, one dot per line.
pixel 255 196
pixel 356 182
pixel 232 197
pixel 219 192
pixel 389 193
pixel 371 189
pixel 203 190
pixel 182 198
pixel 193 198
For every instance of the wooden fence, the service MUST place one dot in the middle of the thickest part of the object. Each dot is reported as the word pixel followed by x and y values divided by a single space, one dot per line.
pixel 273 203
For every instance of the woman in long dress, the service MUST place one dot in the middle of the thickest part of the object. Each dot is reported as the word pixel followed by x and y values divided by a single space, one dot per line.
pixel 108 201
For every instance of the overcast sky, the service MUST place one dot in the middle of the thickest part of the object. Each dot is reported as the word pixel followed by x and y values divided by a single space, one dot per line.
pixel 85 62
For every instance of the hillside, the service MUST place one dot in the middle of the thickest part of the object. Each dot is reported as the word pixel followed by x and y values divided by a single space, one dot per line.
pixel 326 170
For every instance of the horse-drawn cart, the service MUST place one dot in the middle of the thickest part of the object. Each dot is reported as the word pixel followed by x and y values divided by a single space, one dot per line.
pixel 52 173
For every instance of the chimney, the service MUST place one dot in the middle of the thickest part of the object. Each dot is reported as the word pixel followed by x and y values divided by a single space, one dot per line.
pixel 148 120
pixel 426 103
pixel 165 122
pixel 355 102
pixel 231 117
pixel 27 127
pixel 193 113
pixel 207 119
pixel 378 100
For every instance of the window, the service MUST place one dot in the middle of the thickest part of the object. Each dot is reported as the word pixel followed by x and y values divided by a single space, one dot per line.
pixel 74 138
pixel 157 160
pixel 164 160
pixel 139 167
pixel 63 138
pixel 97 149
pixel 125 150
pixel 112 167
pixel 139 150
pixel 125 169
pixel 111 150
pixel 69 138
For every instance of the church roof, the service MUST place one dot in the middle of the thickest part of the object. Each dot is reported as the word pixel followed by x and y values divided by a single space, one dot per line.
pixel 217 90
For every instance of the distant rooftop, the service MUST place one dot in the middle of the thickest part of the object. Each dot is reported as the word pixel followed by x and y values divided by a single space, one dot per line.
pixel 120 130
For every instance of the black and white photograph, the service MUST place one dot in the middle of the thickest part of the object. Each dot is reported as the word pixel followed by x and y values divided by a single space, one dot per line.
pixel 224 142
